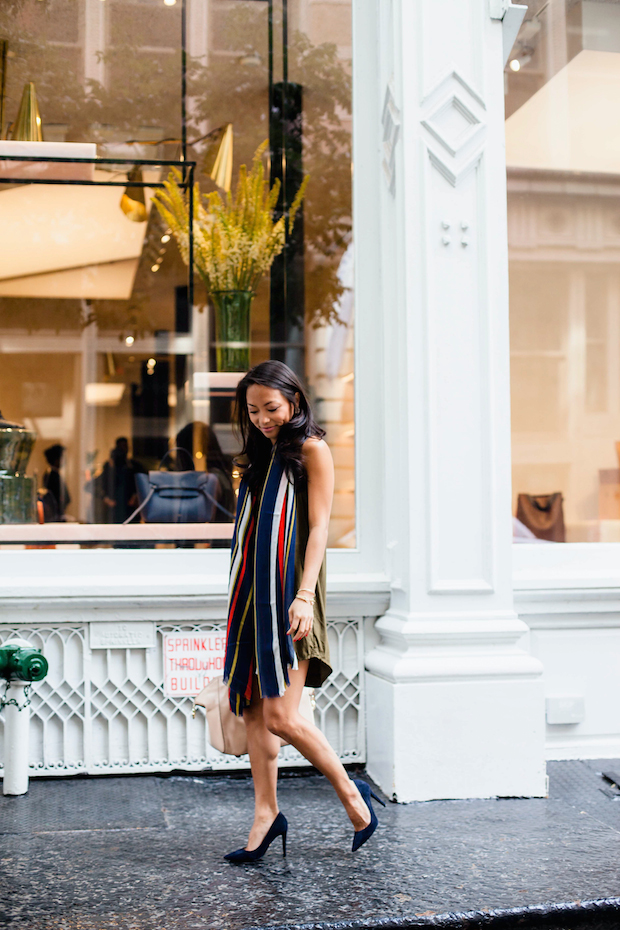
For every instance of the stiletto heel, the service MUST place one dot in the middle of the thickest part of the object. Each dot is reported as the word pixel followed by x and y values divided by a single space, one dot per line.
pixel 360 836
pixel 278 828
pixel 382 803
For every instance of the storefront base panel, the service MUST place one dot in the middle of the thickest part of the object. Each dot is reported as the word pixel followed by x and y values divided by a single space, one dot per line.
pixel 105 710
pixel 581 657
pixel 461 739
pixel 569 597
pixel 582 687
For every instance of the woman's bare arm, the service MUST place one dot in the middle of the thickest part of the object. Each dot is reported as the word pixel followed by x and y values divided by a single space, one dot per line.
pixel 320 470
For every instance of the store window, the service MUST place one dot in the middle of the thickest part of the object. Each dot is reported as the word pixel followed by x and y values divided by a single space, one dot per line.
pixel 562 84
pixel 111 358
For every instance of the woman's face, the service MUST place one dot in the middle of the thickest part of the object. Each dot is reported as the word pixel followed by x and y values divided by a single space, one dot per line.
pixel 268 409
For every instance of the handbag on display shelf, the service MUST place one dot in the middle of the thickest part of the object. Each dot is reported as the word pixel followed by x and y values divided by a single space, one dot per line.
pixel 543 514
pixel 177 496
pixel 227 732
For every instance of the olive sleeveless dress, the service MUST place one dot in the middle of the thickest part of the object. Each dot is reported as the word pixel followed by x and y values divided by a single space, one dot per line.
pixel 314 646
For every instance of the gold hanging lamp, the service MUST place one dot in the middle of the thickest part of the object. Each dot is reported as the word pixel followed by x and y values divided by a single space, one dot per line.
pixel 27 126
pixel 133 203
pixel 218 160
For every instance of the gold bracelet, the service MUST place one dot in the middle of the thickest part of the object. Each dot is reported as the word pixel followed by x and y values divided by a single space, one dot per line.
pixel 312 593
pixel 304 599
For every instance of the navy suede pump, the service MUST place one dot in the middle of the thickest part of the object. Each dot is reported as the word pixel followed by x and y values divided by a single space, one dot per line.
pixel 360 836
pixel 277 828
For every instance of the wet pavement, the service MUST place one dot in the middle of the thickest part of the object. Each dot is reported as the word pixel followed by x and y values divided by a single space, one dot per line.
pixel 145 853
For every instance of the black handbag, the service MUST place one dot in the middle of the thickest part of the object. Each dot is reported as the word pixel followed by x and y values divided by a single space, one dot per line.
pixel 176 496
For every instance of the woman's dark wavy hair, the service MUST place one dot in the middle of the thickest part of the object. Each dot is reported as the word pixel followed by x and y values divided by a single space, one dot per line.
pixel 257 448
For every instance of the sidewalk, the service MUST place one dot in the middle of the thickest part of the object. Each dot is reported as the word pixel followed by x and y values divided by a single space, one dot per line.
pixel 145 853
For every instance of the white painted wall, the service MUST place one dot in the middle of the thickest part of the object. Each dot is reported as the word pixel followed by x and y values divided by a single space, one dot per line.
pixel 569 595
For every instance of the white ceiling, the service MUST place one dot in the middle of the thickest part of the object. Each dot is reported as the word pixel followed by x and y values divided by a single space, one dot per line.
pixel 110 281
pixel 571 123
pixel 45 231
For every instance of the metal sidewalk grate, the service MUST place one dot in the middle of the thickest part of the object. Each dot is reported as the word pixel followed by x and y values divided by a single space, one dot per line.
pixel 583 785
pixel 84 804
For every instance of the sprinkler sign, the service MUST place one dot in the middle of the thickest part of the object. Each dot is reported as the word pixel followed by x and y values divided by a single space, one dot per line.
pixel 191 660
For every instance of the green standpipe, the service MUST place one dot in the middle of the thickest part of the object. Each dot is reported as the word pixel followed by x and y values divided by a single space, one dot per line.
pixel 20 665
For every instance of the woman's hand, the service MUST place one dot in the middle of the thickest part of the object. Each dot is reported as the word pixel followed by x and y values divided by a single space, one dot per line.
pixel 300 616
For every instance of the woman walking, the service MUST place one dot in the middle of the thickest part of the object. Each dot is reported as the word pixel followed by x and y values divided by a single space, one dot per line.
pixel 277 640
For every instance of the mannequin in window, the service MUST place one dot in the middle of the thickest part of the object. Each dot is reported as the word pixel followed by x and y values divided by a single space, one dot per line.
pixel 57 497
pixel 118 483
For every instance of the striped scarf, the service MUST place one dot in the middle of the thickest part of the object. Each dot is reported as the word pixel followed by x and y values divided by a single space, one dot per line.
pixel 261 589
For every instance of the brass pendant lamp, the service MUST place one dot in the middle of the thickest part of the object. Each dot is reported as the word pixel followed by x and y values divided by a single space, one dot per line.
pixel 217 165
pixel 133 203
pixel 218 160
pixel 27 126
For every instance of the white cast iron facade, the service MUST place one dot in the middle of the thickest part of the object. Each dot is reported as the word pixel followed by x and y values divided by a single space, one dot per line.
pixel 454 697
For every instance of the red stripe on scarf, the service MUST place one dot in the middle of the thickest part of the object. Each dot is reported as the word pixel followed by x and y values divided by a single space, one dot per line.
pixel 241 574
pixel 248 687
pixel 281 538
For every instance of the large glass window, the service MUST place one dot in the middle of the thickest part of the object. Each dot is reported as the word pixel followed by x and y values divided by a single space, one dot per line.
pixel 105 360
pixel 562 85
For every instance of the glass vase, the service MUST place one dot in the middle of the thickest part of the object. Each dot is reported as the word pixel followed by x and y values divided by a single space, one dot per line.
pixel 232 329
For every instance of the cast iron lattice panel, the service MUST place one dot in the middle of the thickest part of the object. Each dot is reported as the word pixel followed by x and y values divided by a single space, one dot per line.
pixel 105 711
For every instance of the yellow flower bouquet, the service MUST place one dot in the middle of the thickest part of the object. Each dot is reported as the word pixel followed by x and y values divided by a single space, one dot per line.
pixel 236 240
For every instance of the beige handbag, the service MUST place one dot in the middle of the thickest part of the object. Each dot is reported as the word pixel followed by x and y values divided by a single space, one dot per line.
pixel 227 732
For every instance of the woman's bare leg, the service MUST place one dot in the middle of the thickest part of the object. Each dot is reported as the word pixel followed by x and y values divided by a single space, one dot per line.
pixel 263 748
pixel 281 716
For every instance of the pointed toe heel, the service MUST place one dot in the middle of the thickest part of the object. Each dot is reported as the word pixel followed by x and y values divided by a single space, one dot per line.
pixel 278 828
pixel 361 836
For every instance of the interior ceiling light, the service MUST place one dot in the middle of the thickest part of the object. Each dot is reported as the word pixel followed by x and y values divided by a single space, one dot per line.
pixel 129 340
pixel 522 56
pixel 165 238
pixel 104 394
pixel 252 59
pixel 169 2
pixel 133 204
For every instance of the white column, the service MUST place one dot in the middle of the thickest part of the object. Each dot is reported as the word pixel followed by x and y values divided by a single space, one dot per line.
pixel 86 416
pixel 455 705
pixel 198 30
pixel 94 40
